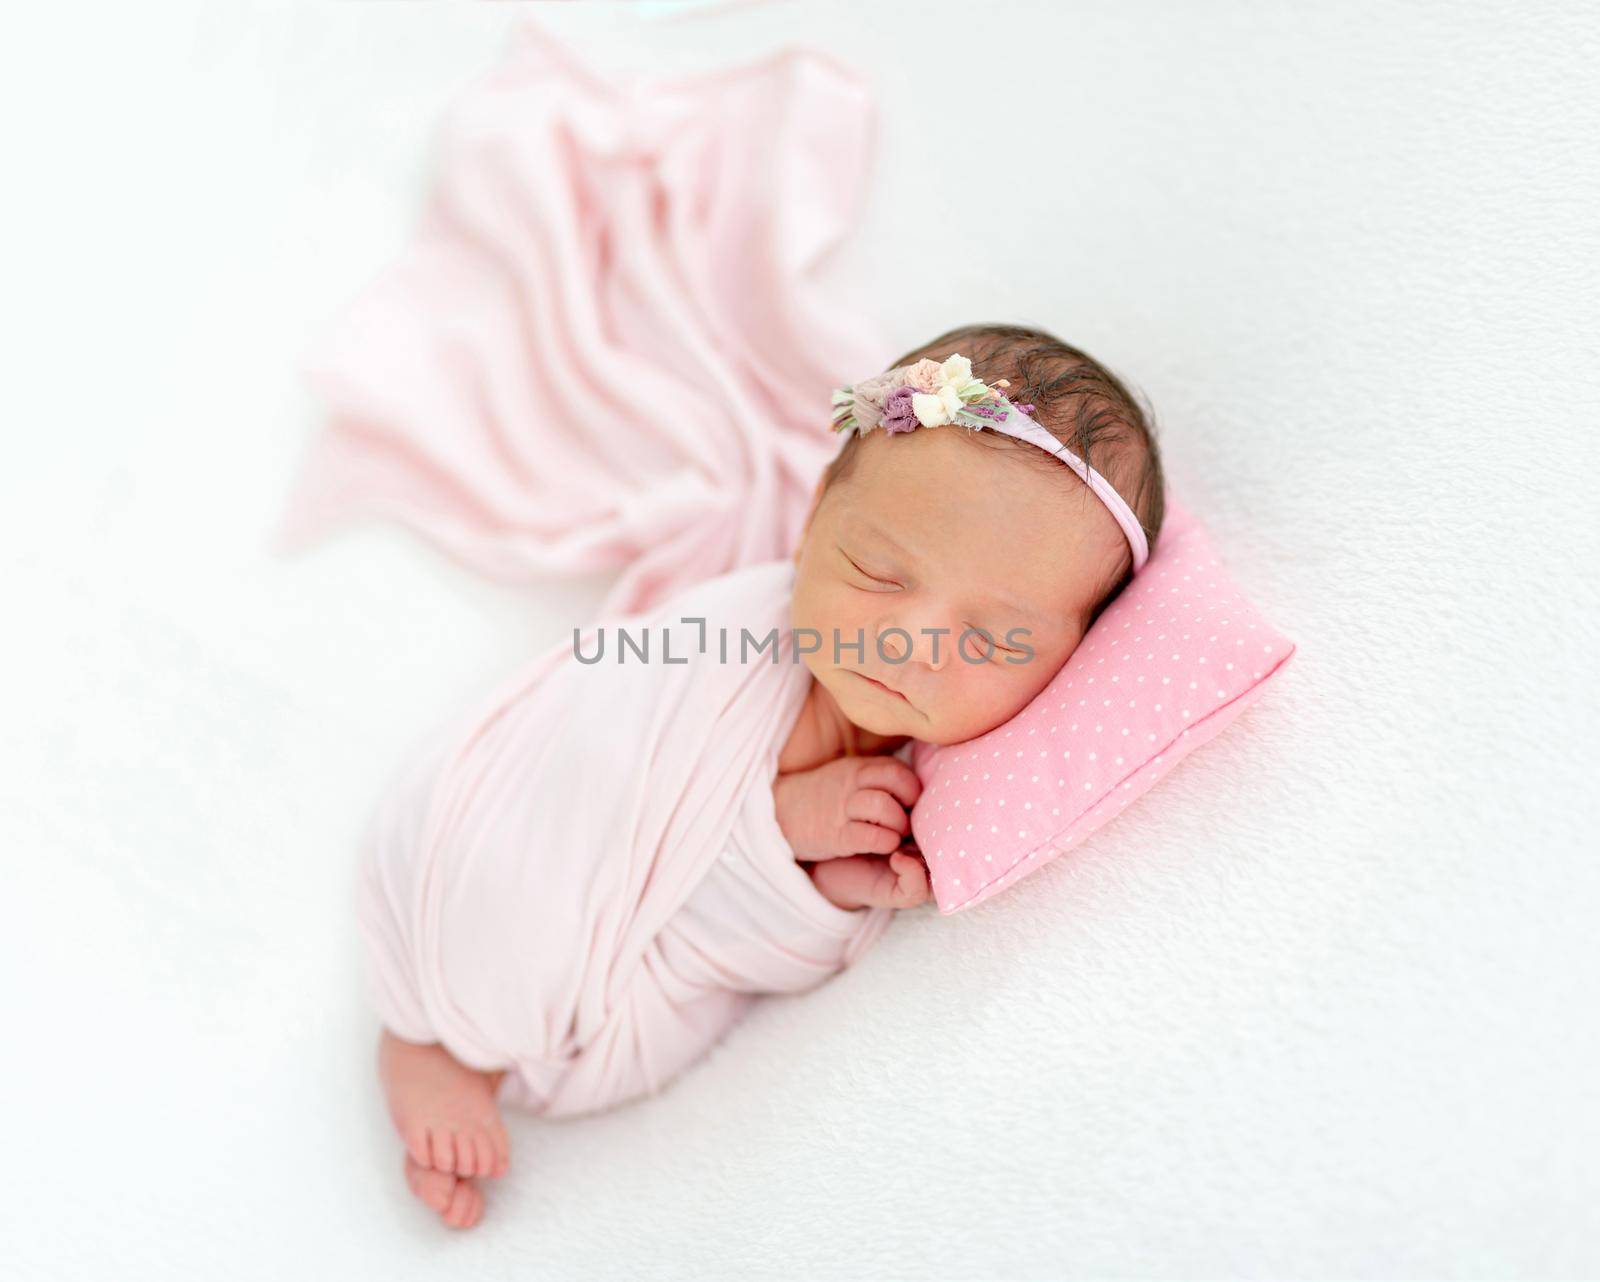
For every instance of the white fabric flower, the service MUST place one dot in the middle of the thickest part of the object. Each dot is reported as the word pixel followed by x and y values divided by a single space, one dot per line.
pixel 929 409
pixel 936 408
pixel 956 370
pixel 956 386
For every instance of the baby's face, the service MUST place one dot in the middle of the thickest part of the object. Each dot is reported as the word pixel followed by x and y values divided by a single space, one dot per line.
pixel 930 532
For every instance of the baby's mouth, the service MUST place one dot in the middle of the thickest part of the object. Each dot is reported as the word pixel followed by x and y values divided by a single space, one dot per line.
pixel 889 690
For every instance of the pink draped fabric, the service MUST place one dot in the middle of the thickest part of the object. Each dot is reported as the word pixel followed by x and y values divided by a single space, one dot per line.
pixel 605 350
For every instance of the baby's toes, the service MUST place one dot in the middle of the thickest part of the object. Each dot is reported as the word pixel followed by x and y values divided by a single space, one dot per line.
pixel 475 1154
pixel 434 1188
pixel 442 1143
pixel 488 1162
pixel 415 1139
pixel 447 1149
pixel 466 1206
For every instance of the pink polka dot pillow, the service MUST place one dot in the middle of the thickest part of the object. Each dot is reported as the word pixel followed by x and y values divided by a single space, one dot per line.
pixel 1172 662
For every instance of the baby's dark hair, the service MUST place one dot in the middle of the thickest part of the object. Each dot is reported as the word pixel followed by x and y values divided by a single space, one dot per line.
pixel 1077 400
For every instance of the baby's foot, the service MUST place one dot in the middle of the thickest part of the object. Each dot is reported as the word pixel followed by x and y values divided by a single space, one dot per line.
pixel 459 1201
pixel 445 1112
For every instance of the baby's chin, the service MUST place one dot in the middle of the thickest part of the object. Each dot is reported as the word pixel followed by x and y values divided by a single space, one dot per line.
pixel 881 714
pixel 876 715
pixel 881 720
pixel 868 708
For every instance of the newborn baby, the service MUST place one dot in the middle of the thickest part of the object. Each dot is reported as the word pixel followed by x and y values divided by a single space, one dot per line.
pixel 922 531
pixel 947 575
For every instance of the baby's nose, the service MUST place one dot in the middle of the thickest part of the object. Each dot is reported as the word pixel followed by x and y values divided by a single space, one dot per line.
pixel 902 643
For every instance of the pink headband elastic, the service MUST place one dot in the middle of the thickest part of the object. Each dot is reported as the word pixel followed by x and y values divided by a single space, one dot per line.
pixel 1013 422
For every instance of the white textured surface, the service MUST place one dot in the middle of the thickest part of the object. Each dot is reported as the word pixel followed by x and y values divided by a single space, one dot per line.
pixel 1322 1004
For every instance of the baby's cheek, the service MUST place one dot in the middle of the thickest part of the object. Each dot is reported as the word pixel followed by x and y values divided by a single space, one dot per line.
pixel 1034 674
pixel 979 697
pixel 819 610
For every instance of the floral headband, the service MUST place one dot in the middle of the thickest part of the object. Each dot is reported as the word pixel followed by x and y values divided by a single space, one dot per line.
pixel 930 394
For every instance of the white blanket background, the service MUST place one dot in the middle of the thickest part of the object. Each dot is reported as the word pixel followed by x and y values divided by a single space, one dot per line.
pixel 1322 1004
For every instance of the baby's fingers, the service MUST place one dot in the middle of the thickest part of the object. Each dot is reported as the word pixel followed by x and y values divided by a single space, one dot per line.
pixel 878 808
pixel 869 838
pixel 913 888
pixel 893 776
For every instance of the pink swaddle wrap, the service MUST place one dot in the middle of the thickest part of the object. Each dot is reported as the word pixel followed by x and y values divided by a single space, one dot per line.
pixel 584 880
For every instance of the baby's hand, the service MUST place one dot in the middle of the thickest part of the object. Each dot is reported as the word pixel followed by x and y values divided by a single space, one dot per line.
pixel 871 881
pixel 848 806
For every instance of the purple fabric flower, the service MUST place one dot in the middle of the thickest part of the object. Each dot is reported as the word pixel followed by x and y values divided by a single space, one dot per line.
pixel 897 413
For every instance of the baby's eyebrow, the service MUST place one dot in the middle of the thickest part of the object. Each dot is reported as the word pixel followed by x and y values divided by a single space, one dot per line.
pixel 871 527
pixel 1005 603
